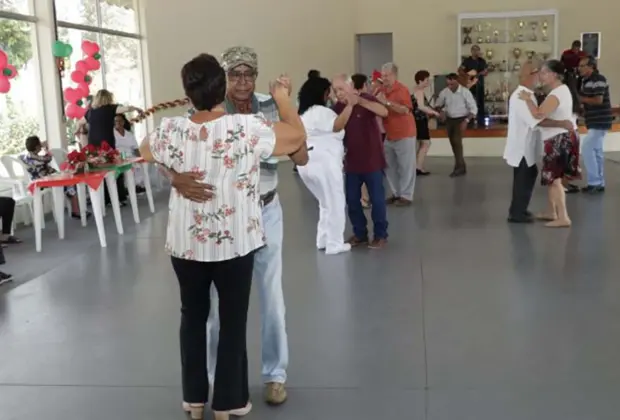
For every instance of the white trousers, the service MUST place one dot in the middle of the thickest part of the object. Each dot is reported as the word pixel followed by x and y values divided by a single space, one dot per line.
pixel 324 178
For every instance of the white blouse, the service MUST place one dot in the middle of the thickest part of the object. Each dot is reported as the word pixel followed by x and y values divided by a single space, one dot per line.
pixel 319 124
pixel 127 142
pixel 227 151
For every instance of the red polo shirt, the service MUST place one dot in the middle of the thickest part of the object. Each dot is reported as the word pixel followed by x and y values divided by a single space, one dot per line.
pixel 399 126
pixel 362 140
pixel 571 59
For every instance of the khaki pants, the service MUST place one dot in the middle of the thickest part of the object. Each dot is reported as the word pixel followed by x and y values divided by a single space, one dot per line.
pixel 455 134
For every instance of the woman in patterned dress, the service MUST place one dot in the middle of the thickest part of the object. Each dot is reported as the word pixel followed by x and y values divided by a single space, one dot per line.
pixel 561 146
pixel 214 241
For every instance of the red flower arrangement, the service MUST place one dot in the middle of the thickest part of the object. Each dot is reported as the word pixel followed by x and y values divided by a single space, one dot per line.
pixel 91 156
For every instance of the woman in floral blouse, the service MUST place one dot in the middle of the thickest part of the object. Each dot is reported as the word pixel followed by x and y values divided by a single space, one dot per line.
pixel 215 241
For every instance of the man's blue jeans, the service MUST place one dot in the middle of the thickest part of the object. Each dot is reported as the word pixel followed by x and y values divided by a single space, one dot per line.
pixel 376 193
pixel 593 158
pixel 268 275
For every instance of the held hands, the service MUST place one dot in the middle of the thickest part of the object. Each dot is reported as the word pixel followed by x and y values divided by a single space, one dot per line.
pixel 524 95
pixel 381 97
pixel 352 99
pixel 281 88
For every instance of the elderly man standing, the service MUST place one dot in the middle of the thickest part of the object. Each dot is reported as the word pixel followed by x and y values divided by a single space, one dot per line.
pixel 241 65
pixel 522 150
pixel 459 107
pixel 400 143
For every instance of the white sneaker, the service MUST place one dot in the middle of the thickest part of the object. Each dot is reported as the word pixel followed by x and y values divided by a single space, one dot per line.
pixel 342 248
pixel 5 278
pixel 238 412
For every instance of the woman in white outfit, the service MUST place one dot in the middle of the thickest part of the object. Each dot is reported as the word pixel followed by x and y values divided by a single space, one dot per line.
pixel 126 143
pixel 561 146
pixel 323 173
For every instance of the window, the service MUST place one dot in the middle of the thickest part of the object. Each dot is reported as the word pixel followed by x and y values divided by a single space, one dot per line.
pixel 21 110
pixel 16 6
pixel 113 24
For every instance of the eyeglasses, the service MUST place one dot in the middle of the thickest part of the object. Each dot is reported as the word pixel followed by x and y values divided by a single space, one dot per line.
pixel 235 76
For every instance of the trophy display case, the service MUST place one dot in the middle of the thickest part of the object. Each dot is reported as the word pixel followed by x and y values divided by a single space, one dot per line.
pixel 506 40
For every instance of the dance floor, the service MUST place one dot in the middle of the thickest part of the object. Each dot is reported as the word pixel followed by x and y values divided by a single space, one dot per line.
pixel 461 317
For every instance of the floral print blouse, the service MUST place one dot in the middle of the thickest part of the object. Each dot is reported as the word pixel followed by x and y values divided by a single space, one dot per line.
pixel 227 152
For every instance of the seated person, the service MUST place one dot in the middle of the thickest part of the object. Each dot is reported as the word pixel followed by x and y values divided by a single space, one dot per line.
pixel 39 166
pixel 126 144
pixel 7 211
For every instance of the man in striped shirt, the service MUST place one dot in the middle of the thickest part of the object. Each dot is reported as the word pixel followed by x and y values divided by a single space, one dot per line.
pixel 594 96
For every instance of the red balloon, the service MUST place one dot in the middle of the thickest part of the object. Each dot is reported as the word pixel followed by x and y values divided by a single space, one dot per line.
pixel 90 48
pixel 93 63
pixel 72 95
pixel 84 89
pixel 5 85
pixel 82 66
pixel 78 76
pixel 13 71
pixel 75 112
pixel 3 59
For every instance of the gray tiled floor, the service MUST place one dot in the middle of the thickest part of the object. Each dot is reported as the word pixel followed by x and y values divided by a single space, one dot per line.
pixel 462 317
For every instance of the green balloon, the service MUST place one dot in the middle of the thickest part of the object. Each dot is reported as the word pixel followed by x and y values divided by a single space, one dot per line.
pixel 58 49
pixel 68 50
pixel 7 72
pixel 97 56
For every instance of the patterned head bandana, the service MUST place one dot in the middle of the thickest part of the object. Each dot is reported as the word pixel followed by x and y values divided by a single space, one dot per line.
pixel 236 56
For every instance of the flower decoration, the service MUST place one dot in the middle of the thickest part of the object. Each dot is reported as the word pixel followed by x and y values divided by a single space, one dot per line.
pixel 91 157
pixel 8 72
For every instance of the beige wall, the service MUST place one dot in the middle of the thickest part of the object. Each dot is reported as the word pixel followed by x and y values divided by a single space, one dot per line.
pixel 297 35
pixel 425 35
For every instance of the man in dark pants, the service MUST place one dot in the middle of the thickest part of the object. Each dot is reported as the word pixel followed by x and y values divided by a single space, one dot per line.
pixel 479 65
pixel 522 144
pixel 458 107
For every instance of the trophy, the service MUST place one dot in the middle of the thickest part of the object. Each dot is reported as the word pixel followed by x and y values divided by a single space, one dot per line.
pixel 516 53
pixel 478 27
pixel 503 66
pixel 488 39
pixel 530 54
pixel 545 25
pixel 467 35
pixel 489 54
pixel 496 36
pixel 534 26
pixel 479 40
pixel 545 35
pixel 521 24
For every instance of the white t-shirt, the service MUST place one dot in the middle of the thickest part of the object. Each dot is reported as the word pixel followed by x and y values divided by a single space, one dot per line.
pixel 319 124
pixel 564 111
pixel 125 143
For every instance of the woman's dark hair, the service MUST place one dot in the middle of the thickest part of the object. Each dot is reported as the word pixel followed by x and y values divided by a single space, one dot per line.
pixel 312 93
pixel 126 123
pixel 204 82
pixel 33 143
pixel 314 74
pixel 421 76
pixel 359 81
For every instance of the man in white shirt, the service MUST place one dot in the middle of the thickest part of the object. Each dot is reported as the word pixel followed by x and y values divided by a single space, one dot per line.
pixel 458 108
pixel 522 143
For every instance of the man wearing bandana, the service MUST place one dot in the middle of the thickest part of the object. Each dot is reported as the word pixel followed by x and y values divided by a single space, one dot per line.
pixel 241 66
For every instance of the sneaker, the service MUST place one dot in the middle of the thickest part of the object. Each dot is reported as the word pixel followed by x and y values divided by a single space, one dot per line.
pixel 355 241
pixel 342 248
pixel 275 393
pixel 5 278
pixel 243 411
pixel 391 200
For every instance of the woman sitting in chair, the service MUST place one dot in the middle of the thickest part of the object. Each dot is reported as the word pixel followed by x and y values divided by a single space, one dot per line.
pixel 38 165
pixel 126 143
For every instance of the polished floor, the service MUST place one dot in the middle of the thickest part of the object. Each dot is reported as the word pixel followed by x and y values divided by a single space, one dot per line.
pixel 461 317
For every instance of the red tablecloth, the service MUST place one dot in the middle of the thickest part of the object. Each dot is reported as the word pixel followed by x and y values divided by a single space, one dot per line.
pixel 92 179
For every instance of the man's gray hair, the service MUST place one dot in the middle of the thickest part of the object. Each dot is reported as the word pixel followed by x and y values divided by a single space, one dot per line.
pixel 343 77
pixel 391 67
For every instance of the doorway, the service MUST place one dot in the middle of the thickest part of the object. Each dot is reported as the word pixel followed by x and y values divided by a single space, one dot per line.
pixel 373 50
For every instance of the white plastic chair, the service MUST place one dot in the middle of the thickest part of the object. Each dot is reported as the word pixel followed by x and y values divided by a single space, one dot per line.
pixel 59 157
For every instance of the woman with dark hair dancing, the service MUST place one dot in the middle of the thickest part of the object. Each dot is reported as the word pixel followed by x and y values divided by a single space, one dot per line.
pixel 323 174
pixel 561 146
pixel 422 111
pixel 214 241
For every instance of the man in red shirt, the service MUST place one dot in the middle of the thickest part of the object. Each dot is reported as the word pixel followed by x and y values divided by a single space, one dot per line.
pixel 400 143
pixel 571 57
pixel 364 160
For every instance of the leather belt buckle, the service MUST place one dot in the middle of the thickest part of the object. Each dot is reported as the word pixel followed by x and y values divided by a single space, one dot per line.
pixel 266 199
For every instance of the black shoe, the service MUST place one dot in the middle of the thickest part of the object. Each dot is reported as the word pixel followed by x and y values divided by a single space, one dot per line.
pixel 571 189
pixel 422 173
pixel 140 189
pixel 593 189
pixel 5 277
pixel 79 216
pixel 458 172
pixel 521 219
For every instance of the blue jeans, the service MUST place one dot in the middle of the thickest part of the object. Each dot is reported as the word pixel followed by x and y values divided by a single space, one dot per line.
pixel 268 274
pixel 376 193
pixel 593 159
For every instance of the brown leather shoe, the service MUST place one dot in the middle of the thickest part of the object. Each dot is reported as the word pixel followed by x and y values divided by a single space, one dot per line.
pixel 355 241
pixel 402 202
pixel 275 393
pixel 377 244
pixel 391 200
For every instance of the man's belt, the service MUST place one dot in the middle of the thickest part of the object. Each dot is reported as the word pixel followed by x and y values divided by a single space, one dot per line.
pixel 269 166
pixel 266 199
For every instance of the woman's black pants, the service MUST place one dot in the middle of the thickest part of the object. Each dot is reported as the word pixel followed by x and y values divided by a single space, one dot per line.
pixel 233 281
pixel 7 211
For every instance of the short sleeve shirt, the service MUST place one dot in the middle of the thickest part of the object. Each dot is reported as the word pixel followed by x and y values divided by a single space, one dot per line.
pixel 399 126
pixel 598 116
pixel 227 151
pixel 362 140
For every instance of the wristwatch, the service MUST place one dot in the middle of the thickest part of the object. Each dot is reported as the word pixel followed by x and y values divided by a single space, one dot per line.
pixel 388 103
